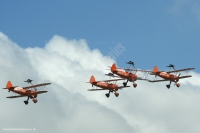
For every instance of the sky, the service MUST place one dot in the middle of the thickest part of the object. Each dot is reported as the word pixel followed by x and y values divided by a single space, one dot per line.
pixel 65 42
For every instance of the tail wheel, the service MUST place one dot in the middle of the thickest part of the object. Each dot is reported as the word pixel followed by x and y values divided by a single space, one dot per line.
pixel 178 85
pixel 134 85
pixel 116 94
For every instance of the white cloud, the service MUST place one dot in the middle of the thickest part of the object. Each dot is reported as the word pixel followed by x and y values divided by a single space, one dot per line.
pixel 69 107
pixel 180 7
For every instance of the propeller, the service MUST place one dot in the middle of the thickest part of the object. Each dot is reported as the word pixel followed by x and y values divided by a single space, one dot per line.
pixel 28 81
pixel 179 75
pixel 171 66
pixel 177 78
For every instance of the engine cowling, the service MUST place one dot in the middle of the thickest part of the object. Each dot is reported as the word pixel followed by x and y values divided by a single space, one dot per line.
pixel 134 85
pixel 35 100
pixel 116 94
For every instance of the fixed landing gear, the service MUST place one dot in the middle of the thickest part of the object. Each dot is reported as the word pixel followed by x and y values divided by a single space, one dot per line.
pixel 34 100
pixel 168 86
pixel 108 94
pixel 177 84
pixel 26 102
pixel 134 85
pixel 125 83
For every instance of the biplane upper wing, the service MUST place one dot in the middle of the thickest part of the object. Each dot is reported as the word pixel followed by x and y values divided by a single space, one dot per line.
pixel 38 85
pixel 130 69
pixel 106 80
pixel 180 70
pixel 16 96
pixel 110 80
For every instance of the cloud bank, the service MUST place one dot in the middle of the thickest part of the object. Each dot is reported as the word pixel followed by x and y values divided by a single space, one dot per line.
pixel 69 107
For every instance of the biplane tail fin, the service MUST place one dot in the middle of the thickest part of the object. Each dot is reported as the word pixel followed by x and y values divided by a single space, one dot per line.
pixel 155 70
pixel 9 85
pixel 113 68
pixel 92 79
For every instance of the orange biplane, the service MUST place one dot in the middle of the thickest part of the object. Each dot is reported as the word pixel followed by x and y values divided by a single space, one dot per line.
pixel 121 73
pixel 168 76
pixel 29 91
pixel 105 85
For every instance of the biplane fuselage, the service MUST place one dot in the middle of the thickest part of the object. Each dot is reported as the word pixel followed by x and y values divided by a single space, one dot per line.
pixel 105 85
pixel 123 74
pixel 126 75
pixel 168 76
pixel 24 92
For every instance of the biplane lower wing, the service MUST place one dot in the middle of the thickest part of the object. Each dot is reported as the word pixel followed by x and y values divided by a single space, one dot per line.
pixel 170 80
pixel 16 96
pixel 185 77
pixel 40 92
pixel 97 89
pixel 121 87
pixel 112 76
pixel 142 79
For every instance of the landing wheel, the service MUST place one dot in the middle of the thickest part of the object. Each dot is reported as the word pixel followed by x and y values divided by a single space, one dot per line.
pixel 107 95
pixel 168 86
pixel 178 85
pixel 124 83
pixel 26 102
pixel 116 94
pixel 134 85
